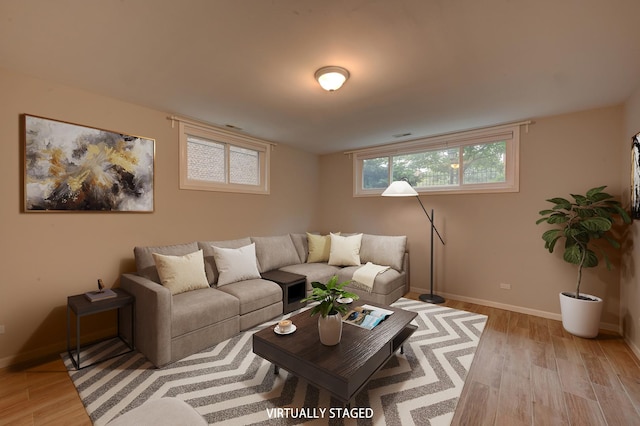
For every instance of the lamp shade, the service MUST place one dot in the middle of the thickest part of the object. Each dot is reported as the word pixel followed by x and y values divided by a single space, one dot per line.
pixel 400 188
pixel 331 78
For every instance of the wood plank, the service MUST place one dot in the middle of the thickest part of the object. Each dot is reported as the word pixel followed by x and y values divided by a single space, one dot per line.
pixel 632 387
pixel 574 379
pixel 479 407
pixel 543 416
pixel 601 372
pixel 548 397
pixel 588 346
pixel 566 349
pixel 626 364
pixel 12 382
pixel 542 355
pixel 556 329
pixel 616 406
pixel 490 373
pixel 23 419
pixel 515 402
pixel 64 412
pixel 538 330
pixel 517 362
pixel 583 412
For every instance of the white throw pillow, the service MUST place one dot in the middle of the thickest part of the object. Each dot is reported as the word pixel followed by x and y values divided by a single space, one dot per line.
pixel 181 273
pixel 345 251
pixel 236 264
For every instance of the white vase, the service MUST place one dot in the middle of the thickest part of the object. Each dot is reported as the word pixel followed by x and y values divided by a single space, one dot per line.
pixel 581 317
pixel 330 329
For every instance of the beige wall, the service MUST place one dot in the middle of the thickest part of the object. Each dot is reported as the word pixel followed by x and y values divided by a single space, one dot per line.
pixel 629 282
pixel 492 238
pixel 48 256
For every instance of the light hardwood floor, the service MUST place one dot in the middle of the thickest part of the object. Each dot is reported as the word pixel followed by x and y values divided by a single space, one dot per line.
pixel 527 371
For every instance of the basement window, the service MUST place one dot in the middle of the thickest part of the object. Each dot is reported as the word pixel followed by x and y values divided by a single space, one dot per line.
pixel 213 159
pixel 479 161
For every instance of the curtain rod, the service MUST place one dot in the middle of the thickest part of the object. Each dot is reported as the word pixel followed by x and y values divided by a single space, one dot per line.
pixel 444 135
pixel 232 131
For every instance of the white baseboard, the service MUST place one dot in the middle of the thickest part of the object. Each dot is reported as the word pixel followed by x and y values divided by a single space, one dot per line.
pixel 49 351
pixel 34 355
pixel 522 310
pixel 633 347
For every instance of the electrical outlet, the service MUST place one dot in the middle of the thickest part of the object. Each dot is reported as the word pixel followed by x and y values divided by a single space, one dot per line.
pixel 505 286
pixel 1 329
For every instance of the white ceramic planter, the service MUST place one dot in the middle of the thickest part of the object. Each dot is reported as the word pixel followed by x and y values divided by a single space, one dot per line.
pixel 581 317
pixel 330 329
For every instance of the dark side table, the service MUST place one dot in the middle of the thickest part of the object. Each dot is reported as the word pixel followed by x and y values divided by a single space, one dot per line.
pixel 294 288
pixel 81 307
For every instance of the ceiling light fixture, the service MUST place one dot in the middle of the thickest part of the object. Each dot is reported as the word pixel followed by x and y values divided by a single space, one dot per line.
pixel 331 78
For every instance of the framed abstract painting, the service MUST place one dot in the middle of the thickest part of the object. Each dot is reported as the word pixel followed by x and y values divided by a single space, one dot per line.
pixel 635 177
pixel 73 168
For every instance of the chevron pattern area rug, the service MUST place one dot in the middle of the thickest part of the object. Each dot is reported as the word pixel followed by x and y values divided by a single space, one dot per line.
pixel 228 384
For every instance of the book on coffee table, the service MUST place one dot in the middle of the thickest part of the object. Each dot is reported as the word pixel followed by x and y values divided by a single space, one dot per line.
pixel 366 316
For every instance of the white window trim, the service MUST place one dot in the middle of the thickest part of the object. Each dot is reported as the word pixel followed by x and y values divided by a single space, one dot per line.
pixel 228 138
pixel 510 132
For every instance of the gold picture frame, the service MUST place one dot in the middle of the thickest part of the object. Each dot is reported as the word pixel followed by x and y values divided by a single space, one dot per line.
pixel 635 177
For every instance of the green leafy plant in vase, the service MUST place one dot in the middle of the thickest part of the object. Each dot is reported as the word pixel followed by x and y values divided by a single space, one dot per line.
pixel 581 223
pixel 330 310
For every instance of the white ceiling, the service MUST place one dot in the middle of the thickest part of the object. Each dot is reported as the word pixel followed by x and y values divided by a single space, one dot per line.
pixel 421 66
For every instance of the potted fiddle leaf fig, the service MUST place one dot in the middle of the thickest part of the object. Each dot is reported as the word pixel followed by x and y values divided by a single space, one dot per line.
pixel 581 223
pixel 330 308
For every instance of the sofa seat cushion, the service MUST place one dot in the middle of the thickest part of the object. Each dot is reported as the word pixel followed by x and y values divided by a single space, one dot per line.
pixel 320 272
pixel 199 308
pixel 384 283
pixel 254 294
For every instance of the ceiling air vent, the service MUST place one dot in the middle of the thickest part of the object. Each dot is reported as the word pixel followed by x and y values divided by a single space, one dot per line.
pixel 402 135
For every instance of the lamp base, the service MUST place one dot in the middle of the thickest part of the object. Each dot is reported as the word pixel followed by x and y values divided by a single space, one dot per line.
pixel 431 298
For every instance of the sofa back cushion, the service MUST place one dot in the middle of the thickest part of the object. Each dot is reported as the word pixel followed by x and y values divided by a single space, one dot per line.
pixel 146 265
pixel 383 250
pixel 275 252
pixel 302 246
pixel 209 262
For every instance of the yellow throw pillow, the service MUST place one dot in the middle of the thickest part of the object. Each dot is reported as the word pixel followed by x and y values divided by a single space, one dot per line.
pixel 319 247
pixel 181 273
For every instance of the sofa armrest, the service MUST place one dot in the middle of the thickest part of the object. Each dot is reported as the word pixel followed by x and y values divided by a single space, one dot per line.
pixel 152 319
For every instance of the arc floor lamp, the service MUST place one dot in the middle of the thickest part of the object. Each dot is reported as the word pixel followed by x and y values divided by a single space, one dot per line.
pixel 402 188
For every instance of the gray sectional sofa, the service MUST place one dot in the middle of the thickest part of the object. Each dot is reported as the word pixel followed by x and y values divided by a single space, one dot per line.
pixel 171 325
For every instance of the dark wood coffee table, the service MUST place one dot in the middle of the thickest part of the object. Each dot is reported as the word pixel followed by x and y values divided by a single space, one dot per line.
pixel 343 370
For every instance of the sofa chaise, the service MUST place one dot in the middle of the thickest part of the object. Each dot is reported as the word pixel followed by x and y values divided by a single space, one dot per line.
pixel 191 296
